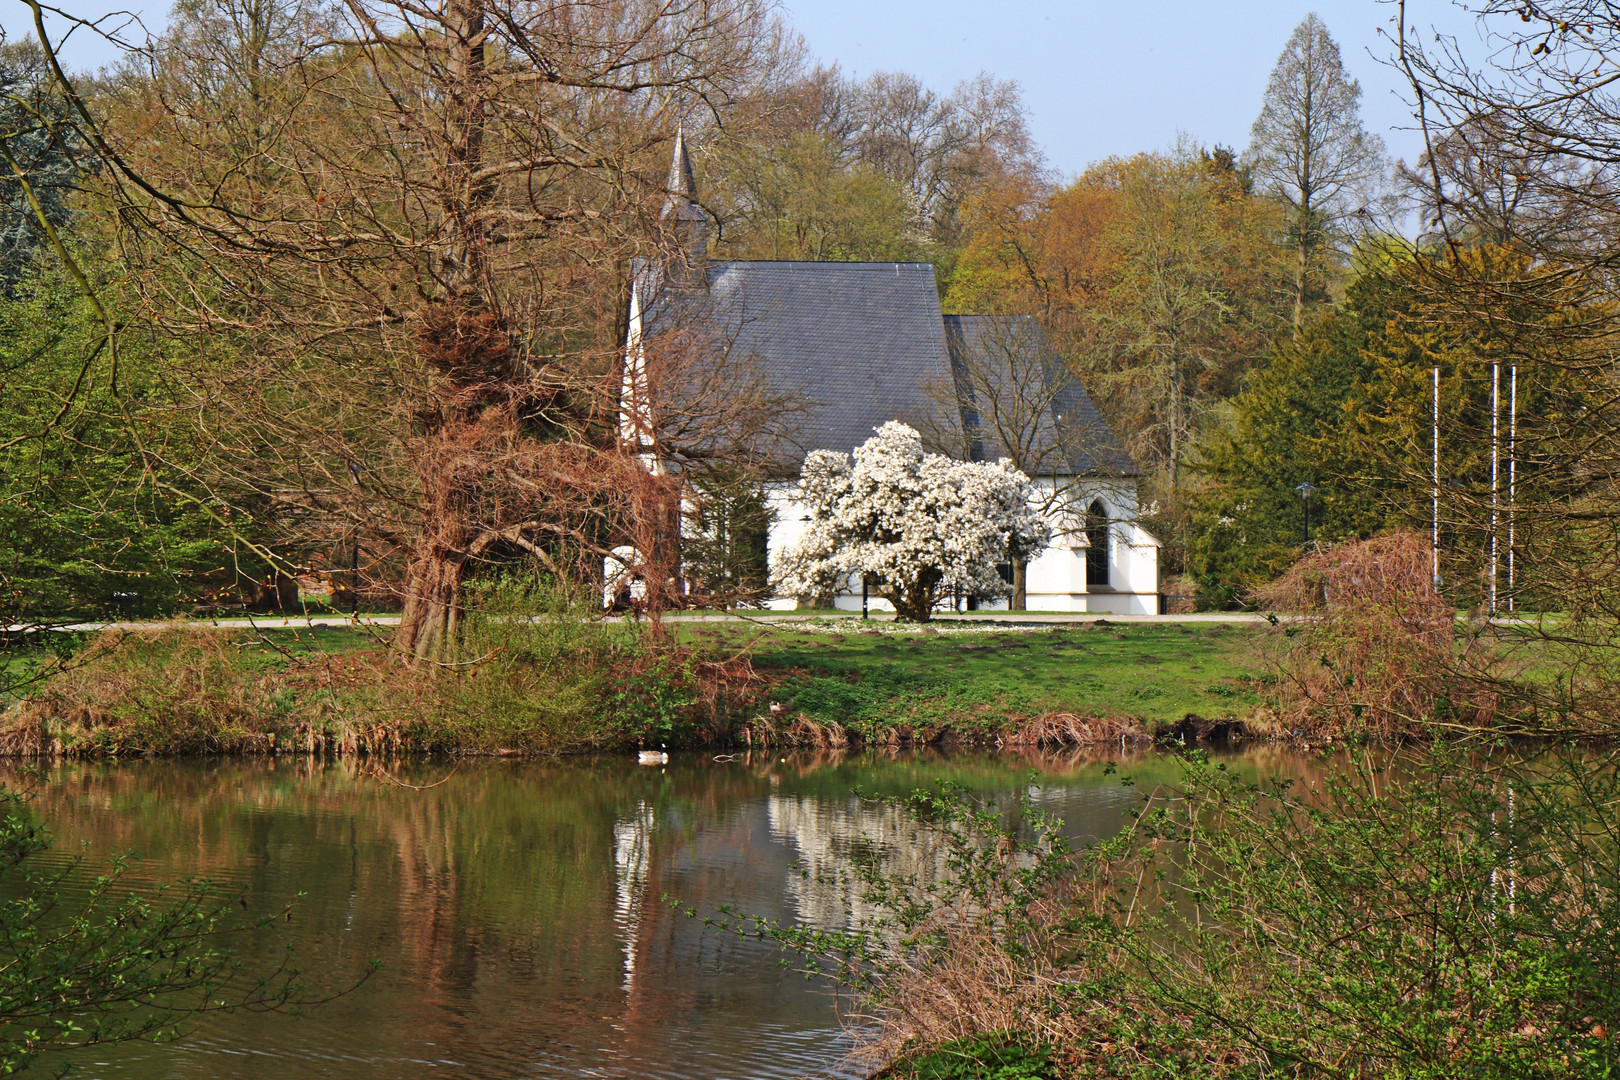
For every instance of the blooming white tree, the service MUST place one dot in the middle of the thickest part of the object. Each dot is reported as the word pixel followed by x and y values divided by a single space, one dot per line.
pixel 918 526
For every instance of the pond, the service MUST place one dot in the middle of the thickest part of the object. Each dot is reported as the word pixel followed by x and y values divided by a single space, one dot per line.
pixel 520 910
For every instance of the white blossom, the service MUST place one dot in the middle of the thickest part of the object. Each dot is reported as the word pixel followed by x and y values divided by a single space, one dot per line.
pixel 920 526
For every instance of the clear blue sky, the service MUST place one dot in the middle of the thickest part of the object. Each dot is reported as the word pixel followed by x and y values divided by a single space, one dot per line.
pixel 1101 77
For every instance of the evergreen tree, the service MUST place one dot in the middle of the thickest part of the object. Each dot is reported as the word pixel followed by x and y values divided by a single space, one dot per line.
pixel 36 146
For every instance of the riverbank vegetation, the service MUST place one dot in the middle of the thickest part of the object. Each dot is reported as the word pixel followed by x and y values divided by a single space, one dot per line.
pixel 1421 916
pixel 562 682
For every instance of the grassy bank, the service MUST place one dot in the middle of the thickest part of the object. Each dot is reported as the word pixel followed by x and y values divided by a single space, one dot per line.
pixel 980 684
pixel 561 684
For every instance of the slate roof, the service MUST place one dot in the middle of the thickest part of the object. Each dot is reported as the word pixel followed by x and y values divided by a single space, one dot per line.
pixel 1081 442
pixel 854 343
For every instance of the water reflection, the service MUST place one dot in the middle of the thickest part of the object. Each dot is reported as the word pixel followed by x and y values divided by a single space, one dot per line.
pixel 519 909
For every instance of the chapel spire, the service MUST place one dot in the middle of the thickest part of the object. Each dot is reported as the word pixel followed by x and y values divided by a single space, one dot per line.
pixel 681 209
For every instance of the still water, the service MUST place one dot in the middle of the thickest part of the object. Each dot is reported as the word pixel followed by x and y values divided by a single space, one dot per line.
pixel 519 909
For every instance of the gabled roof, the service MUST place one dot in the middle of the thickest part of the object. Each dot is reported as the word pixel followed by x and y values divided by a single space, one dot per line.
pixel 1010 382
pixel 855 343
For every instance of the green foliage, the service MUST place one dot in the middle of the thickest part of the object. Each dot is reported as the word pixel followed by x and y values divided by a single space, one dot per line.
pixel 1347 406
pixel 803 199
pixel 1424 917
pixel 1285 429
pixel 726 553
pixel 108 965
pixel 553 673
pixel 1420 917
pixel 986 1057
pixel 89 524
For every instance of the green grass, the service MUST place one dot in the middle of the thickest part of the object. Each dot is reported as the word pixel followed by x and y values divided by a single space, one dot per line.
pixel 986 1057
pixel 1148 672
pixel 552 686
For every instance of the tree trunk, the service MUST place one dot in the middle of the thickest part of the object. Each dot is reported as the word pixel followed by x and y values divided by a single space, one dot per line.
pixel 432 617
pixel 1175 419
pixel 913 602
pixel 1302 256
pixel 430 623
pixel 1020 596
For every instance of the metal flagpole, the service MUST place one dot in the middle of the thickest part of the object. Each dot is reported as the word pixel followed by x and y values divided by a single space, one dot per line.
pixel 1434 538
pixel 1496 458
pixel 1513 472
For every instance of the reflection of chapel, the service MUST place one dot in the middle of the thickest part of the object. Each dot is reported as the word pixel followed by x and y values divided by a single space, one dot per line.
pixel 858 344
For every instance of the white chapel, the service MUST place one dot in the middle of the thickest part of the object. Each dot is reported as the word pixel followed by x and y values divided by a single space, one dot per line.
pixel 857 344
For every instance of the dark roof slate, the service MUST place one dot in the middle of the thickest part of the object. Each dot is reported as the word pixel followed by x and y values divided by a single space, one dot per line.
pixel 1081 441
pixel 859 344
pixel 854 343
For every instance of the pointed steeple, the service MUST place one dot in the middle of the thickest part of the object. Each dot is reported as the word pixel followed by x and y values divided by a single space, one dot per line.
pixel 682 184
pixel 681 208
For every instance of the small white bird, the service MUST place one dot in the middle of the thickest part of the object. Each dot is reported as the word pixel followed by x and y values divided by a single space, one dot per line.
pixel 652 757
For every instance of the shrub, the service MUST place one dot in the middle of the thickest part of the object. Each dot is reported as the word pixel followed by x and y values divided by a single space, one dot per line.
pixel 1423 917
pixel 1371 648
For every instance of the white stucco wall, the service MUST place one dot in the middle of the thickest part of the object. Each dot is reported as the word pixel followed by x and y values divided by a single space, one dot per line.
pixel 1056 579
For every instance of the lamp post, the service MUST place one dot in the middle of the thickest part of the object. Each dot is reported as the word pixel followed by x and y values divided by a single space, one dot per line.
pixel 1305 491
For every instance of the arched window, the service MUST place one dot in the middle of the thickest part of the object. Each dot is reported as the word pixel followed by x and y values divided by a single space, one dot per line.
pixel 1097 549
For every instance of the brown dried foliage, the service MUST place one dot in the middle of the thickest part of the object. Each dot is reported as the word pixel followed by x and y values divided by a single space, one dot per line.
pixel 1368 648
pixel 185 691
pixel 1061 729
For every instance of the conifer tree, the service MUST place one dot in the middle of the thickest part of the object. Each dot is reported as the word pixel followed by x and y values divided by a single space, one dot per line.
pixel 1310 151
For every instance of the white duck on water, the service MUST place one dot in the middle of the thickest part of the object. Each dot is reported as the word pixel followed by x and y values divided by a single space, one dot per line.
pixel 653 757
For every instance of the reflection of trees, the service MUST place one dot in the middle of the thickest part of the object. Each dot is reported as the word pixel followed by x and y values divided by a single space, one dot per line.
pixel 518 906
pixel 490 899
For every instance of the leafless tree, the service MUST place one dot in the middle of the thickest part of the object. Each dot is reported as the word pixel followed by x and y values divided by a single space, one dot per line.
pixel 399 238
pixel 1524 231
pixel 1308 148
pixel 1493 191
pixel 818 129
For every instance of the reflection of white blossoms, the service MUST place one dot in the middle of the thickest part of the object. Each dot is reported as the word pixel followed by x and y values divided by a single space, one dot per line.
pixel 918 526
pixel 834 839
pixel 632 845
